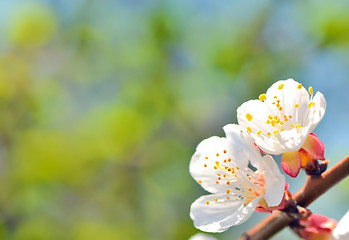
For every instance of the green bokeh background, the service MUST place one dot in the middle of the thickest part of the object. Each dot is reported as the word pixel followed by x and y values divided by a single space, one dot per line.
pixel 102 104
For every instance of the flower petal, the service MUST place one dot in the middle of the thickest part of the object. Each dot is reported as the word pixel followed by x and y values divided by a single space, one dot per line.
pixel 317 112
pixel 314 146
pixel 274 182
pixel 305 157
pixel 291 163
pixel 322 222
pixel 259 112
pixel 243 145
pixel 289 96
pixel 221 215
pixel 202 236
pixel 341 232
pixel 203 162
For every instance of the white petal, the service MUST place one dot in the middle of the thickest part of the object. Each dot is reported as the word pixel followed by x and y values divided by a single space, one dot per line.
pixel 341 232
pixel 317 112
pixel 221 215
pixel 202 236
pixel 289 96
pixel 242 145
pixel 274 182
pixel 293 140
pixel 259 112
pixel 202 169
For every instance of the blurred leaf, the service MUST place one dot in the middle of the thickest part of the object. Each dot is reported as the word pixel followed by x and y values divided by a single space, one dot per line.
pixel 102 230
pixel 32 25
pixel 37 229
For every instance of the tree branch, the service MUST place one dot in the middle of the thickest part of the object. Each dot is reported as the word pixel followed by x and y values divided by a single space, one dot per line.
pixel 313 188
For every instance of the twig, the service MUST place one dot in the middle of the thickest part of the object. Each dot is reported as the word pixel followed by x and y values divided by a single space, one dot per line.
pixel 313 188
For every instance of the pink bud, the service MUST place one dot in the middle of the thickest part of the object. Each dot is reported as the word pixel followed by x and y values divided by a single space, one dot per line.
pixel 317 227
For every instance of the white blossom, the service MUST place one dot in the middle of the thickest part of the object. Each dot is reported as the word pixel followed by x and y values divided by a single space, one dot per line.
pixel 238 178
pixel 202 236
pixel 281 120
pixel 341 232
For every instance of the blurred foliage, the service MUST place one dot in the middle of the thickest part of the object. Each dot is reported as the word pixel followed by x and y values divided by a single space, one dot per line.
pixel 32 25
pixel 102 104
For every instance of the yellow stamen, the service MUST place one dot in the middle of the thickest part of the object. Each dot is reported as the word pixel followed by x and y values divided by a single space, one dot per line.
pixel 228 183
pixel 296 106
pixel 311 104
pixel 259 132
pixel 298 126
pixel 262 97
pixel 310 90
pixel 228 191
pixel 269 134
pixel 299 86
pixel 199 181
pixel 275 97
pixel 273 122
pixel 217 154
pixel 216 199
pixel 270 117
pixel 281 86
pixel 267 122
pixel 207 202
pixel 249 129
pixel 276 131
pixel 280 108
pixel 249 117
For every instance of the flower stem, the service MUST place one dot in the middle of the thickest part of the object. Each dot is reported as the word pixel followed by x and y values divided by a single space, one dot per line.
pixel 313 188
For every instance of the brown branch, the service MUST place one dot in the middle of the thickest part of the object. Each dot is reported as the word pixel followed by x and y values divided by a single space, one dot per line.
pixel 313 188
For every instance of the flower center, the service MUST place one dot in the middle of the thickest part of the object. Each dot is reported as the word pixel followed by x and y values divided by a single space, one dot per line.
pixel 280 121
pixel 240 183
